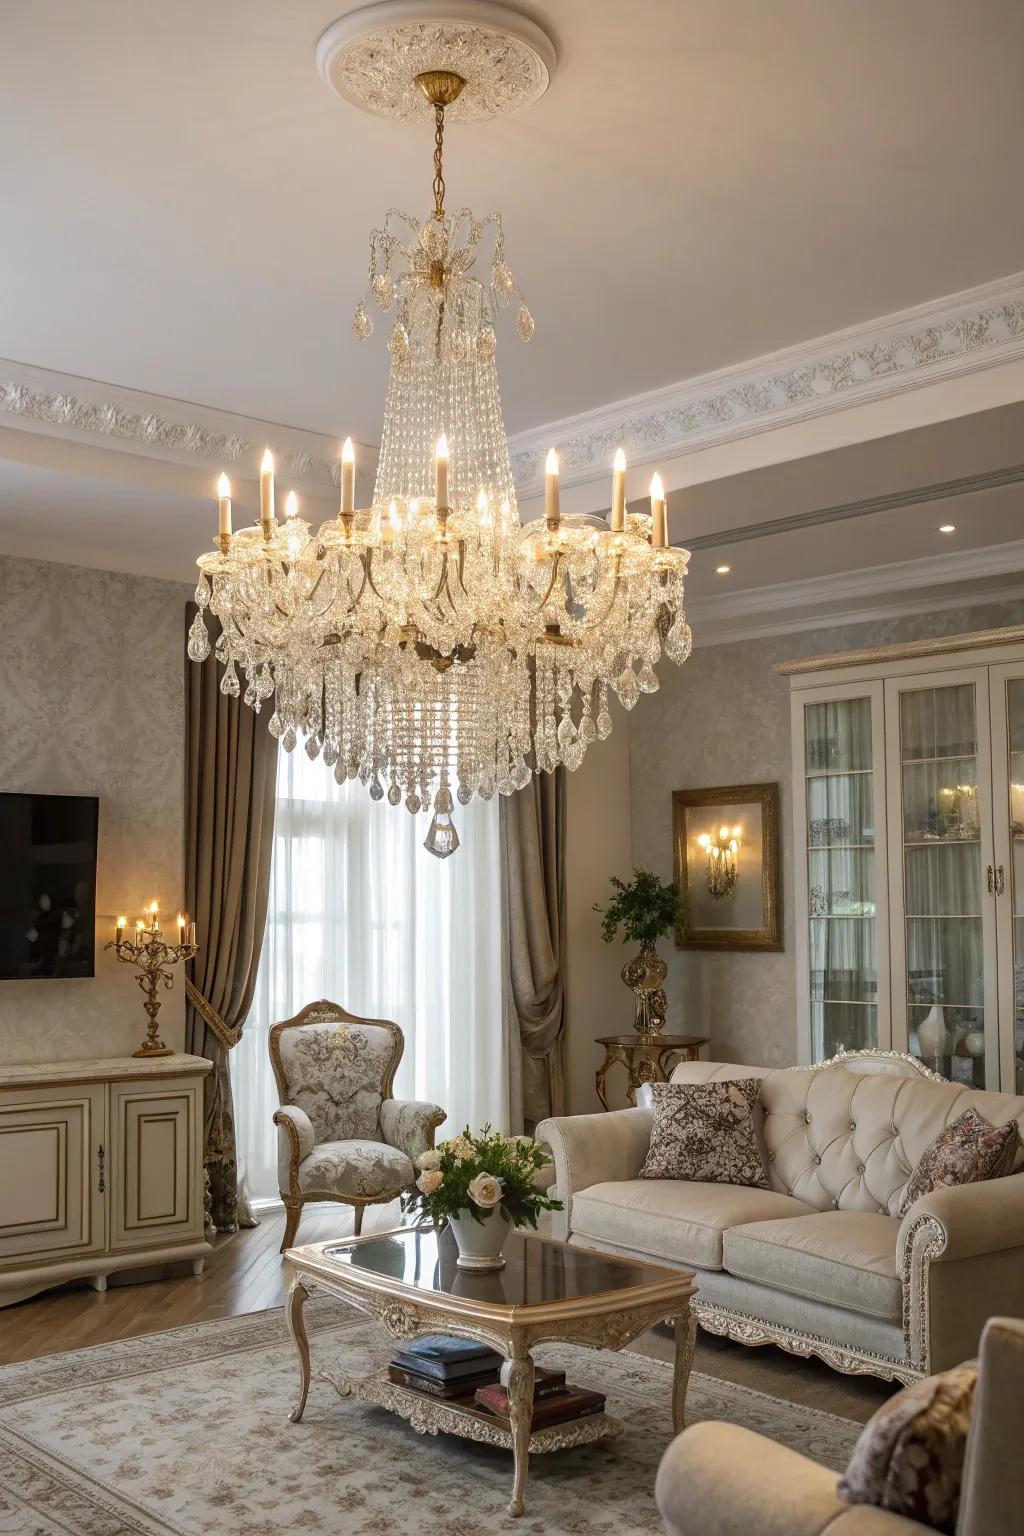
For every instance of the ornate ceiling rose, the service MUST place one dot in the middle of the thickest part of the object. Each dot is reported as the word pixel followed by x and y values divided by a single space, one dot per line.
pixel 372 56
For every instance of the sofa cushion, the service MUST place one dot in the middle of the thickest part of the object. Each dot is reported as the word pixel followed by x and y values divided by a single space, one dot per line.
pixel 705 1132
pixel 966 1152
pixel 847 1258
pixel 910 1455
pixel 673 1219
pixel 364 1168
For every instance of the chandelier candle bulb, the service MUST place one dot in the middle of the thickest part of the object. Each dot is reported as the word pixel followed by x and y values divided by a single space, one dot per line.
pixel 619 492
pixel 552 509
pixel 659 523
pixel 267 514
pixel 441 473
pixel 224 507
pixel 348 478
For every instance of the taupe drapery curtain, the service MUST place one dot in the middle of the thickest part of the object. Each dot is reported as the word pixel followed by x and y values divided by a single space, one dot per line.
pixel 230 787
pixel 533 853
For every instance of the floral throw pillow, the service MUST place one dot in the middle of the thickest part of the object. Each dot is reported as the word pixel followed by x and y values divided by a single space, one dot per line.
pixel 964 1153
pixel 704 1132
pixel 910 1455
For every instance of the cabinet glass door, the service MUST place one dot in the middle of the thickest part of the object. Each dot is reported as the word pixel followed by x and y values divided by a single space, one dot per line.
pixel 842 874
pixel 942 783
pixel 1008 796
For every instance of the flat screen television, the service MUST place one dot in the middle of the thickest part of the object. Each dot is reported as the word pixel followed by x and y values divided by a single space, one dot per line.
pixel 48 886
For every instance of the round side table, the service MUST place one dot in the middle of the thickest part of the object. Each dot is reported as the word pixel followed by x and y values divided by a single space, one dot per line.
pixel 646 1058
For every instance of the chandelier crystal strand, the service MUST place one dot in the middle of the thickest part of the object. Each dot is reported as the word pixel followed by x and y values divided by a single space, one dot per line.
pixel 429 644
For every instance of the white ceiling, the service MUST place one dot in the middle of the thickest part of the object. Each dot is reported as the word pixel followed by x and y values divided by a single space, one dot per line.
pixel 187 206
pixel 188 211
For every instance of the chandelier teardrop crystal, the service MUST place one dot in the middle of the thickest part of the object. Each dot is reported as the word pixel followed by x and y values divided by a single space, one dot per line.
pixel 429 644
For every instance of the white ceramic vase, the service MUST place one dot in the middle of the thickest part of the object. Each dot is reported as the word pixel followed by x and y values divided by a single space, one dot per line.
pixel 480 1243
pixel 932 1035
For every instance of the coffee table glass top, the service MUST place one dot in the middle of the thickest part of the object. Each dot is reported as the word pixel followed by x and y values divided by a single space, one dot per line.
pixel 537 1271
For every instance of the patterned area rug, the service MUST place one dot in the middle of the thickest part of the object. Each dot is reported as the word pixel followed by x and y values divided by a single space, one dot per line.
pixel 187 1432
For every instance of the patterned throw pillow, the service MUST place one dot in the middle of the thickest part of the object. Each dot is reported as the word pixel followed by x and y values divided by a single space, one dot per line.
pixel 966 1152
pixel 910 1455
pixel 704 1132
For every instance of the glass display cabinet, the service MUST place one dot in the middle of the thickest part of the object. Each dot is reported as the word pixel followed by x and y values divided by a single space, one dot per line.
pixel 909 829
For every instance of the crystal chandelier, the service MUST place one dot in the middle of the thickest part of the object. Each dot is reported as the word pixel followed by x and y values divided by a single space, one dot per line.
pixel 430 643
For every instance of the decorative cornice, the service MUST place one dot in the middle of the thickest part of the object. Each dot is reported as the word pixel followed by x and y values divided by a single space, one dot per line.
pixel 62 405
pixel 908 650
pixel 978 328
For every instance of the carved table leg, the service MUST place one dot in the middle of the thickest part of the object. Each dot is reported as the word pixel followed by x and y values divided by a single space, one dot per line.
pixel 686 1339
pixel 297 1328
pixel 599 1078
pixel 520 1411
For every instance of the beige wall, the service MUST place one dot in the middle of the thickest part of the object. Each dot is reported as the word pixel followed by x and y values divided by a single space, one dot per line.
pixel 598 846
pixel 724 719
pixel 92 702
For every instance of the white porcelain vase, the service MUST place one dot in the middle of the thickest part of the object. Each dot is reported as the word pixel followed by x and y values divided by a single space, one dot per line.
pixel 480 1243
pixel 932 1034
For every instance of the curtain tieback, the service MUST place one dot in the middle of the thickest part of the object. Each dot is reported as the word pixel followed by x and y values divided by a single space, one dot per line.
pixel 227 1036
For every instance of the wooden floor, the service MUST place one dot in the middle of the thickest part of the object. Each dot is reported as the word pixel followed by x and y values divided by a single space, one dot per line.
pixel 245 1273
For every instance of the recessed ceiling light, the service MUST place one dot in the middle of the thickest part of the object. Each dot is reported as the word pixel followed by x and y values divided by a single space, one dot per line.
pixel 947 527
pixel 722 570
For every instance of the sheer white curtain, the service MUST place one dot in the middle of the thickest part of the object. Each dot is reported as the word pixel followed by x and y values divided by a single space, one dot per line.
pixel 359 912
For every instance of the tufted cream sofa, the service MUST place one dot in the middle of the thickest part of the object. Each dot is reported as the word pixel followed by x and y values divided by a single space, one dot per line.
pixel 819 1263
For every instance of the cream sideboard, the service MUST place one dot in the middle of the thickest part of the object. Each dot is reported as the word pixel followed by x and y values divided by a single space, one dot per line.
pixel 101 1169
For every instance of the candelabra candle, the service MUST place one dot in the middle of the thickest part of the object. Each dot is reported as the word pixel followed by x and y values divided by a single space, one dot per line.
pixel 154 958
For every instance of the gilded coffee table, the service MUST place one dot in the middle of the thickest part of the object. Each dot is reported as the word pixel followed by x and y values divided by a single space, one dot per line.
pixel 548 1292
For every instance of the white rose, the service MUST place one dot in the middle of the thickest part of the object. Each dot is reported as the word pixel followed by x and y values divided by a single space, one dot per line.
pixel 485 1191
pixel 429 1181
pixel 429 1159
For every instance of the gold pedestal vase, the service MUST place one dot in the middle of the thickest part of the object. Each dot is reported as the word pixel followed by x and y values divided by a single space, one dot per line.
pixel 644 975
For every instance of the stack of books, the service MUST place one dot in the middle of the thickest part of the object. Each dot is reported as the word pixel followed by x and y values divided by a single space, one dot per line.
pixel 446 1368
pixel 554 1402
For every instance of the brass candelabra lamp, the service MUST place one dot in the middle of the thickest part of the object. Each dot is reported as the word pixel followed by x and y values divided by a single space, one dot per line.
pixel 153 958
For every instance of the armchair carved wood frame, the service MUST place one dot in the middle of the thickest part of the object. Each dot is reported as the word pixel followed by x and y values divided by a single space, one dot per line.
pixel 343 1136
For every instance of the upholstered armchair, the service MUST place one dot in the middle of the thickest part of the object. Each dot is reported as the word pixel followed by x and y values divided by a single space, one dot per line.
pixel 723 1480
pixel 341 1134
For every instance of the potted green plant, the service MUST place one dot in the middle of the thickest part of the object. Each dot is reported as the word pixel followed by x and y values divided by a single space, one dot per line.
pixel 482 1186
pixel 645 909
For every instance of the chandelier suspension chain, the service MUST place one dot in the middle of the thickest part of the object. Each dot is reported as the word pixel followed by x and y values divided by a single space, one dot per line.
pixel 438 160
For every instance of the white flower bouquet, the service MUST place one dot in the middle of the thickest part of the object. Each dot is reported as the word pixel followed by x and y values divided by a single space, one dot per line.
pixel 477 1176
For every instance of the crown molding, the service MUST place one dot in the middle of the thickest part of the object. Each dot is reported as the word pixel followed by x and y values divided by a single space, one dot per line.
pixel 860 596
pixel 962 333
pixel 155 426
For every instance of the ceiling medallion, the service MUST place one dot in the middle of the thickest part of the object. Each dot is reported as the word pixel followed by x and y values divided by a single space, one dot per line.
pixel 430 641
pixel 373 56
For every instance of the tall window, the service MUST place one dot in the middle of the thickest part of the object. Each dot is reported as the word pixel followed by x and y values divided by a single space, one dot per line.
pixel 360 913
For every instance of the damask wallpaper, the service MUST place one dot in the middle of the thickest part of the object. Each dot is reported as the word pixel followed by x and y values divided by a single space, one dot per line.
pixel 92 702
pixel 723 718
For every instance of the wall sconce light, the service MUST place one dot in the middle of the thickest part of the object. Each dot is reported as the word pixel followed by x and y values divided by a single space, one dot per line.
pixel 721 860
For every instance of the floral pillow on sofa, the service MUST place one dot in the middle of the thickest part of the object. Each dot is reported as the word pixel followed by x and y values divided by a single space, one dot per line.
pixel 704 1133
pixel 967 1151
